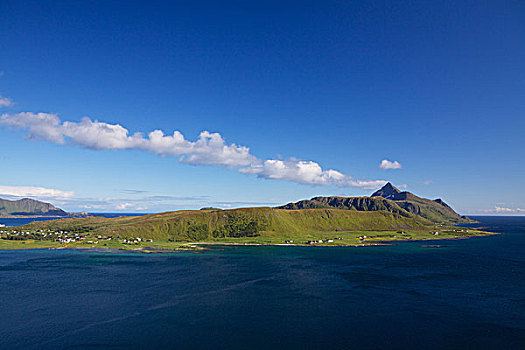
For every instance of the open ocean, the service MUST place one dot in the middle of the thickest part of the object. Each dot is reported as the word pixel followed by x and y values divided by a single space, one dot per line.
pixel 466 294
pixel 23 221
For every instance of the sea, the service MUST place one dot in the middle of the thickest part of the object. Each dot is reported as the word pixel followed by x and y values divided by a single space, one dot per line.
pixel 22 220
pixel 455 294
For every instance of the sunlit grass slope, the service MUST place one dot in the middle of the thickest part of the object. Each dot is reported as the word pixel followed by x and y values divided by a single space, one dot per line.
pixel 202 225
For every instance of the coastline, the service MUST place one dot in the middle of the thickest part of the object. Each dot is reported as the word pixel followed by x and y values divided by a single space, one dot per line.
pixel 37 216
pixel 201 246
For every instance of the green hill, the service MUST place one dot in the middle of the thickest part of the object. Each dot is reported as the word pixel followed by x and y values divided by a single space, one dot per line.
pixel 29 207
pixel 203 225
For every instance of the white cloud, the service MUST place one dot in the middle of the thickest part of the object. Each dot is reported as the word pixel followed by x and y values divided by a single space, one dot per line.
pixel 123 206
pixel 503 210
pixel 386 164
pixel 5 102
pixel 99 136
pixel 44 126
pixel 306 172
pixel 29 191
pixel 208 149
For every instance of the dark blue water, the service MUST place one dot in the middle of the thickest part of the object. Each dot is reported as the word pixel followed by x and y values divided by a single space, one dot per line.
pixel 23 221
pixel 468 294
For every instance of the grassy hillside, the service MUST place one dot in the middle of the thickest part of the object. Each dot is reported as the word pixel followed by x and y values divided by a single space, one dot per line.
pixel 432 210
pixel 203 225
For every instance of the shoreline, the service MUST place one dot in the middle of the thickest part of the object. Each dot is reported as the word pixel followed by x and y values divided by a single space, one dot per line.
pixel 39 216
pixel 201 246
pixel 378 243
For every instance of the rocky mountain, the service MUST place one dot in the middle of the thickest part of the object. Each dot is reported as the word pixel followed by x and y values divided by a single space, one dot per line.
pixel 388 191
pixel 28 207
pixel 388 198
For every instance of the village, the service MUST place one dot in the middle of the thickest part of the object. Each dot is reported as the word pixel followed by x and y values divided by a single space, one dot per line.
pixel 92 239
pixel 319 241
pixel 64 237
pixel 401 235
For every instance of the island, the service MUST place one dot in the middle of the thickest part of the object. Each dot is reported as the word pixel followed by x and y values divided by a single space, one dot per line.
pixel 387 216
pixel 27 207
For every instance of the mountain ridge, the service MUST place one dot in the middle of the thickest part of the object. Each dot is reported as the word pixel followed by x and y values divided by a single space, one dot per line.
pixel 388 198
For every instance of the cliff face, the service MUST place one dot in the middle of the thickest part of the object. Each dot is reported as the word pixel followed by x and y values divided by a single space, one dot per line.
pixel 29 206
pixel 388 198
pixel 349 203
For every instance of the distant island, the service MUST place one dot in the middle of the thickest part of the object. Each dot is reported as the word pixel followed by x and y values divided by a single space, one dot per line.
pixel 386 216
pixel 28 207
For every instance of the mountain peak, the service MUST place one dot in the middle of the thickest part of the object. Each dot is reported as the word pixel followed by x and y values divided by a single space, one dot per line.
pixel 387 191
pixel 389 186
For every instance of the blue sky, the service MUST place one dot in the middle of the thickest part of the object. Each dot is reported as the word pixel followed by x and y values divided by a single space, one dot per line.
pixel 298 98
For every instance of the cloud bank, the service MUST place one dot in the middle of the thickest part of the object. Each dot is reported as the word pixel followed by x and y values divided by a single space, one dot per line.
pixel 386 164
pixel 29 191
pixel 499 210
pixel 508 210
pixel 208 149
pixel 148 203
